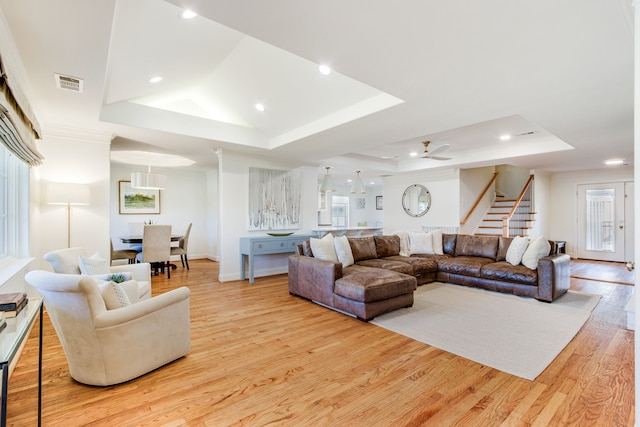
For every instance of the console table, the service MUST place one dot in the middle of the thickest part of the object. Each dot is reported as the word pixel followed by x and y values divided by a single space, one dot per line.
pixel 267 245
pixel 11 339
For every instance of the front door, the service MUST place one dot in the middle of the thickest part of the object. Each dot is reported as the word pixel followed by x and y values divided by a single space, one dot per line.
pixel 601 221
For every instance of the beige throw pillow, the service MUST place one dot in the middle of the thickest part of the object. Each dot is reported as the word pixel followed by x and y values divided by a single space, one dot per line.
pixel 516 249
pixel 343 251
pixel 324 248
pixel 420 243
pixel 93 265
pixel 537 249
pixel 114 295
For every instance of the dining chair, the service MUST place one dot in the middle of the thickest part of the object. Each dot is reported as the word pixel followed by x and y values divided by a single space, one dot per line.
pixel 128 254
pixel 156 247
pixel 136 229
pixel 181 249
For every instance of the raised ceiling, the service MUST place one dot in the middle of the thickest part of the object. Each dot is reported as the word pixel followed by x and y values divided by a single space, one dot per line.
pixel 459 73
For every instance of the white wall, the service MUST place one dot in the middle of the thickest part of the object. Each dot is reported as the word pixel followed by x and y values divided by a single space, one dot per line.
pixel 184 201
pixel 82 159
pixel 472 183
pixel 444 187
pixel 510 180
pixel 563 209
pixel 233 213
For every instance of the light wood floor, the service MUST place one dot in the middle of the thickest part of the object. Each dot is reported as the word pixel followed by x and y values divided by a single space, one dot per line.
pixel 262 357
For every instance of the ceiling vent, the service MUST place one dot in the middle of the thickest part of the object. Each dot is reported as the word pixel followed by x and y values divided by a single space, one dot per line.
pixel 73 84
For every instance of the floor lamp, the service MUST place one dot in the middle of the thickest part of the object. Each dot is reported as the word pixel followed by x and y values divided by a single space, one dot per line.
pixel 59 193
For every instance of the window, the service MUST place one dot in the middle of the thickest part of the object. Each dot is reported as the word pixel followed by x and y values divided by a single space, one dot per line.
pixel 14 214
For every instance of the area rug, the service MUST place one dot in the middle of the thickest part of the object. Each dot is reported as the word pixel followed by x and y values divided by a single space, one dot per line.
pixel 517 335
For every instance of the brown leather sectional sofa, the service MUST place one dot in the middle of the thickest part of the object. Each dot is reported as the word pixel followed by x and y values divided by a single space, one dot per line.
pixel 382 280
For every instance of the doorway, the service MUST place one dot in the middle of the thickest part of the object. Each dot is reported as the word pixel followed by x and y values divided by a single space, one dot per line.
pixel 605 221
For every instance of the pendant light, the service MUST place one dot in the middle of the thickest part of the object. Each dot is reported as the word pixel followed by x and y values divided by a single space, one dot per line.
pixel 356 186
pixel 327 182
pixel 148 180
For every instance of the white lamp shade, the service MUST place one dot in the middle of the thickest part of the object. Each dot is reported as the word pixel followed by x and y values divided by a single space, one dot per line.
pixel 357 187
pixel 59 193
pixel 148 180
pixel 327 184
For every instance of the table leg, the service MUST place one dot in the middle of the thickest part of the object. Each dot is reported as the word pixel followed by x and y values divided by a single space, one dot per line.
pixel 250 268
pixel 242 276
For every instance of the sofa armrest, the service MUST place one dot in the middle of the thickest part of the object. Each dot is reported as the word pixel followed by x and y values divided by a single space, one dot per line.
pixel 554 276
pixel 313 278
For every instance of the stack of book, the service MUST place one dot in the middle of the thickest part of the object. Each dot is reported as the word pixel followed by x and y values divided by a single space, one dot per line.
pixel 12 304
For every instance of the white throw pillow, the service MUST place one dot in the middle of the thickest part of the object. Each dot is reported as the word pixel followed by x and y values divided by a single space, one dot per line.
pixel 437 242
pixel 95 264
pixel 516 249
pixel 324 248
pixel 114 295
pixel 343 250
pixel 420 243
pixel 537 249
pixel 404 242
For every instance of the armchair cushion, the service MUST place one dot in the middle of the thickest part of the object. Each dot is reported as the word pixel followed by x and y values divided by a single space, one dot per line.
pixel 114 294
pixel 95 264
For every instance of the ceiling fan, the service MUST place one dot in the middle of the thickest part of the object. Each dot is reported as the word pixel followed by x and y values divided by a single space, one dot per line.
pixel 432 154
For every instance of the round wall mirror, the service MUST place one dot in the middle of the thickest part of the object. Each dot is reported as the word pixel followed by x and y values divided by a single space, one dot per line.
pixel 416 200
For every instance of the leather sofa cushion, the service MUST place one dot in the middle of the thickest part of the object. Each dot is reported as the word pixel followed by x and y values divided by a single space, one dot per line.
pixel 463 265
pixel 506 272
pixel 449 244
pixel 419 265
pixel 397 266
pixel 363 248
pixel 503 247
pixel 387 245
pixel 374 284
pixel 476 245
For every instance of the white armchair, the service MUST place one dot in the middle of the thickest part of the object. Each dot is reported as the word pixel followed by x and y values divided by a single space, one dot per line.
pixel 66 261
pixel 105 347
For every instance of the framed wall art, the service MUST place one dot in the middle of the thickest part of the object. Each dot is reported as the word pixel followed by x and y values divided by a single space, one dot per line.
pixel 137 200
pixel 274 199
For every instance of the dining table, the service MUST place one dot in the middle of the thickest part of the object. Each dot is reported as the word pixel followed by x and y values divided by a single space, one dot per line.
pixel 137 239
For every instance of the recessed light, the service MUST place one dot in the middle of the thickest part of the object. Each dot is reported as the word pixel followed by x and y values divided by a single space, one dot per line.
pixel 260 107
pixel 155 79
pixel 505 137
pixel 614 162
pixel 413 154
pixel 188 14
pixel 324 70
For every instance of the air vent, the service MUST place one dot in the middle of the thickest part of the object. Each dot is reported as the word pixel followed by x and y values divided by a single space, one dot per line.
pixel 73 84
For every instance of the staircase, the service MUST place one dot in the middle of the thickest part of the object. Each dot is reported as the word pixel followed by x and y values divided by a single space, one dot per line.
pixel 519 225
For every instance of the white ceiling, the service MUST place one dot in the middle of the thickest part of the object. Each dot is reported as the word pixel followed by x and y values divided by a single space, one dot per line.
pixel 459 73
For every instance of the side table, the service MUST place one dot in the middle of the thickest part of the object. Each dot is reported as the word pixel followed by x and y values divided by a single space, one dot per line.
pixel 266 245
pixel 11 340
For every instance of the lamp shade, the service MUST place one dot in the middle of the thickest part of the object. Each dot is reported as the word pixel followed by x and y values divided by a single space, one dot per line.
pixel 148 180
pixel 356 186
pixel 327 182
pixel 59 193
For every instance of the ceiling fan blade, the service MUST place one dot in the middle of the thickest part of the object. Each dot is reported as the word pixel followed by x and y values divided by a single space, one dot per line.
pixel 437 157
pixel 439 149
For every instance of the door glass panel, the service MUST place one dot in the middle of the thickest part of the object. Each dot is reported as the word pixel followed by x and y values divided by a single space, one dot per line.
pixel 340 211
pixel 600 216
